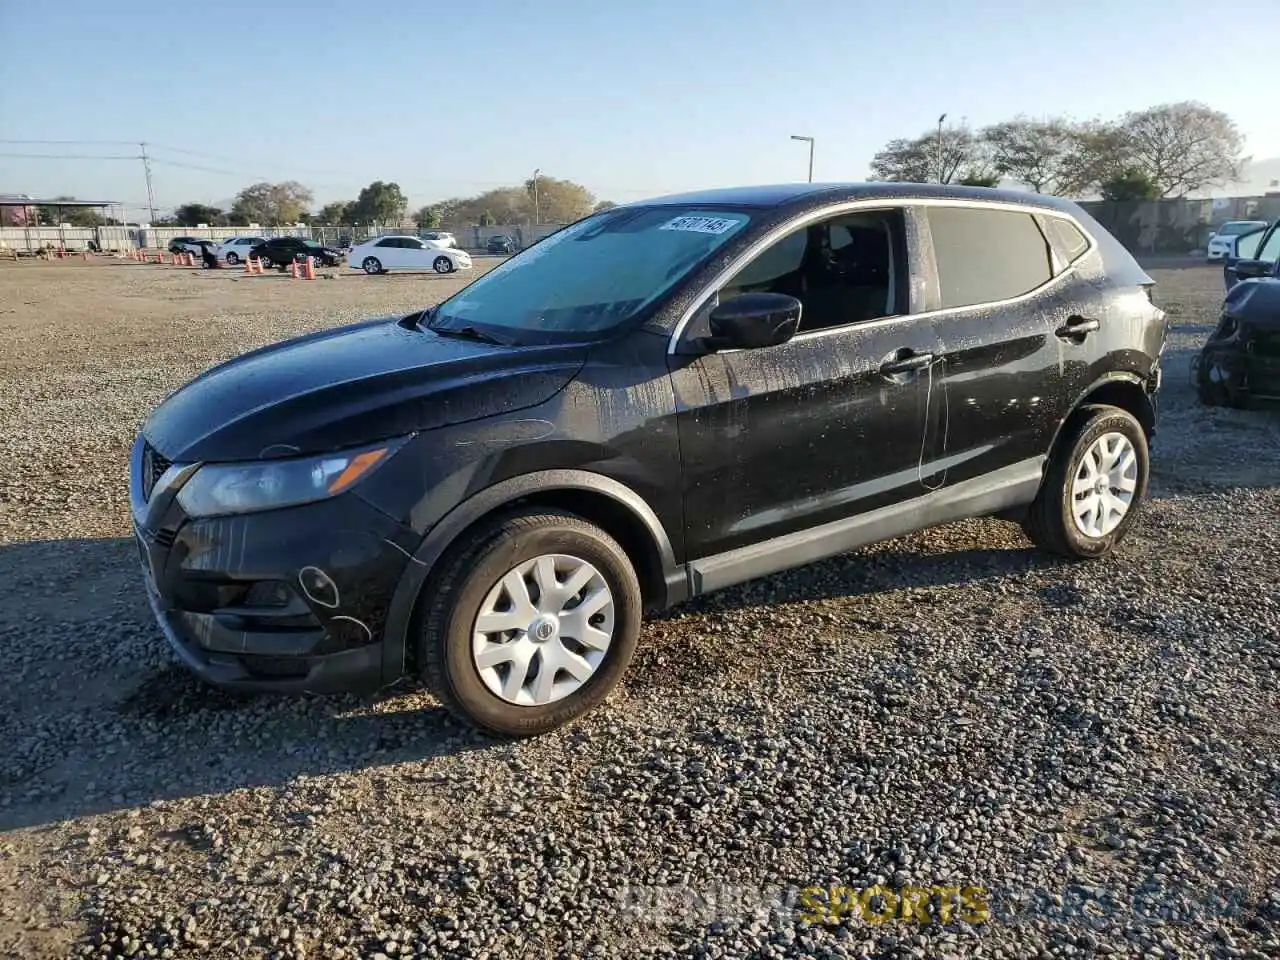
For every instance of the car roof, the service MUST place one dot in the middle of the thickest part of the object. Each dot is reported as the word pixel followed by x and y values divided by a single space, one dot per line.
pixel 811 194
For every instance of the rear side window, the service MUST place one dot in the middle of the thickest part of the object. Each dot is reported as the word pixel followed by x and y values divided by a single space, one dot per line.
pixel 1066 236
pixel 986 255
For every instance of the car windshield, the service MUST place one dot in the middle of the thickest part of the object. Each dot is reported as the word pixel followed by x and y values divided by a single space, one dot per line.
pixel 1235 229
pixel 594 274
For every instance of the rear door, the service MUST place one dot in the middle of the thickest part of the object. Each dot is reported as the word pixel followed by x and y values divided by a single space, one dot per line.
pixel 1017 328
pixel 831 423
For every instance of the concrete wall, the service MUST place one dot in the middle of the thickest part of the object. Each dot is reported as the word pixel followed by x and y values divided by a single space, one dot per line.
pixel 1176 226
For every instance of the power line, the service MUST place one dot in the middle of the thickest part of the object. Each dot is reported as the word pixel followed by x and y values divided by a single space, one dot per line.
pixel 69 156
pixel 116 143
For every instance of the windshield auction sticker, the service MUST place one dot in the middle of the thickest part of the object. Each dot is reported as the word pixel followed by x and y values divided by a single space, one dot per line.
pixel 715 225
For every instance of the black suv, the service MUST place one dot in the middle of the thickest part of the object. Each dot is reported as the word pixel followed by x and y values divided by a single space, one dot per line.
pixel 281 251
pixel 658 401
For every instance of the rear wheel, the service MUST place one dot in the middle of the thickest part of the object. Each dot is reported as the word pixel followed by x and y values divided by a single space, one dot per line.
pixel 1096 481
pixel 233 258
pixel 371 265
pixel 531 622
pixel 443 265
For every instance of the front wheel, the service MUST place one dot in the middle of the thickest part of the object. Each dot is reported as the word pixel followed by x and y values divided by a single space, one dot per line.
pixel 265 262
pixel 371 265
pixel 531 623
pixel 443 265
pixel 233 258
pixel 1096 481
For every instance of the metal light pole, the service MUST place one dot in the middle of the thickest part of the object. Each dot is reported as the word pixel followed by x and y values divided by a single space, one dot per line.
pixel 537 210
pixel 808 140
pixel 940 119
pixel 151 199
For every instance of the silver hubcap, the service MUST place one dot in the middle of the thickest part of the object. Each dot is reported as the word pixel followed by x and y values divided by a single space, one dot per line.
pixel 371 266
pixel 543 630
pixel 442 265
pixel 1102 491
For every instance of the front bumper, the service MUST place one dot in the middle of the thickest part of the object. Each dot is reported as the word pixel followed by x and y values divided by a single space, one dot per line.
pixel 289 600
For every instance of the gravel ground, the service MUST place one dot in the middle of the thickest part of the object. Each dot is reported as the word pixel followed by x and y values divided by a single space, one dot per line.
pixel 1095 746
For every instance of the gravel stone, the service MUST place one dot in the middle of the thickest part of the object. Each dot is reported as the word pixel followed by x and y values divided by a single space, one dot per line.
pixel 1092 744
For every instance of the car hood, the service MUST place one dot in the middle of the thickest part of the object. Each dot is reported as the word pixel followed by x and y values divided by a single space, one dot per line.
pixel 350 386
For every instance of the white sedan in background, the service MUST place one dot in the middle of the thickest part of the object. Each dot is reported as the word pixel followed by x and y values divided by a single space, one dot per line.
pixel 406 253
pixel 1222 243
pixel 236 249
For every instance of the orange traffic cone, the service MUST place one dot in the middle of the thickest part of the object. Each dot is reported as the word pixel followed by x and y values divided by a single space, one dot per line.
pixel 293 270
pixel 309 271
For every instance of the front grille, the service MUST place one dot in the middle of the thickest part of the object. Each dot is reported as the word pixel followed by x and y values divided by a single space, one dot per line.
pixel 153 467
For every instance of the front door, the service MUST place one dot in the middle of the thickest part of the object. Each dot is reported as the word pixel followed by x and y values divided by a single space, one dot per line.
pixel 832 423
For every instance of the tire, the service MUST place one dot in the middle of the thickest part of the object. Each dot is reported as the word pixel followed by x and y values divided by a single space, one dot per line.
pixel 266 263
pixel 442 265
pixel 1062 519
pixel 477 571
pixel 371 265
pixel 233 258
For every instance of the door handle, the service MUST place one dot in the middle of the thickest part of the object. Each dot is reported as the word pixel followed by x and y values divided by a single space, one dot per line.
pixel 905 361
pixel 1077 328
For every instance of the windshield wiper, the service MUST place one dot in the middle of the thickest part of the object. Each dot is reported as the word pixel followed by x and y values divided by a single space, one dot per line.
pixel 468 333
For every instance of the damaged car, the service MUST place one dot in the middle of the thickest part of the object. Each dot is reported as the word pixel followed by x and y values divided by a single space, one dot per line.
pixel 656 402
pixel 1239 365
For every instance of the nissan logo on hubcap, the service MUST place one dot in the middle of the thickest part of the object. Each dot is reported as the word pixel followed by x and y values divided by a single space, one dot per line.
pixel 544 630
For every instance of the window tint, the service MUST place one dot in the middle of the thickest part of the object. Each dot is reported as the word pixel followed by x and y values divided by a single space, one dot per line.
pixel 1064 234
pixel 1270 249
pixel 844 270
pixel 985 255
pixel 386 243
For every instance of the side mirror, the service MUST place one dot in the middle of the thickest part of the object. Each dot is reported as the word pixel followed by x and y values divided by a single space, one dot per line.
pixel 753 320
pixel 1252 268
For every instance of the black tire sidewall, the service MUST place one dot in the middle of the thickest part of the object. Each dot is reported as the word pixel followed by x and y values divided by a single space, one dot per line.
pixel 232 258
pixel 1105 420
pixel 452 626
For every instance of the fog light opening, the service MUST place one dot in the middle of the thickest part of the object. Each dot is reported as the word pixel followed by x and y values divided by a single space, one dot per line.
pixel 318 587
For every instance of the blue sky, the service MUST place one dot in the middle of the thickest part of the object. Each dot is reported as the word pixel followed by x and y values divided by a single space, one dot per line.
pixel 449 97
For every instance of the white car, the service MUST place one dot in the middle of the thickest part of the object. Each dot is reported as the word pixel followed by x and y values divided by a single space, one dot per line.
pixel 1222 241
pixel 442 237
pixel 406 253
pixel 236 249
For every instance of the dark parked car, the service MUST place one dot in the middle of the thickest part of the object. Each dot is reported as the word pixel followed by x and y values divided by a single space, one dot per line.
pixel 658 401
pixel 1240 363
pixel 1255 254
pixel 281 251
pixel 500 244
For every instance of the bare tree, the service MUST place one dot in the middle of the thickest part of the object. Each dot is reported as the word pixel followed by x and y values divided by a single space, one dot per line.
pixel 1038 153
pixel 953 155
pixel 1184 147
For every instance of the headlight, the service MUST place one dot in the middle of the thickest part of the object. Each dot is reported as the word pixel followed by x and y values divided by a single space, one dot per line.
pixel 222 488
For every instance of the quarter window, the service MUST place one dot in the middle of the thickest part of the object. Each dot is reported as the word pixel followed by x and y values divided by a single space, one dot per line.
pixel 986 255
pixel 1066 236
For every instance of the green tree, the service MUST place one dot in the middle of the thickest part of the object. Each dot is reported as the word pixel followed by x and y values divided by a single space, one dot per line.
pixel 559 201
pixel 978 178
pixel 1132 184
pixel 932 157
pixel 487 219
pixel 379 202
pixel 52 215
pixel 1038 153
pixel 271 203
pixel 192 214
pixel 604 205
pixel 1183 147
pixel 428 218
pixel 334 213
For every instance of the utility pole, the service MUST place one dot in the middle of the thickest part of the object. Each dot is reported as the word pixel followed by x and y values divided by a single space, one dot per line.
pixel 809 140
pixel 151 198
pixel 940 119
pixel 537 210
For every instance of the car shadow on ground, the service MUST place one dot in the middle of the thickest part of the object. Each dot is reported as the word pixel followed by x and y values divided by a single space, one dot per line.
pixel 95 702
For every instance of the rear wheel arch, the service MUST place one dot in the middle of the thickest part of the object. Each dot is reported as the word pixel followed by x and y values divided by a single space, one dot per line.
pixel 1125 391
pixel 607 503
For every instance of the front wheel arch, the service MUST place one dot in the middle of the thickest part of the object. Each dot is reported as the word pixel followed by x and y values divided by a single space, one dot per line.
pixel 611 505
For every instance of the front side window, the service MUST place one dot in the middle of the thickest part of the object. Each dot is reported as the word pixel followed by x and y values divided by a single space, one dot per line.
pixel 592 275
pixel 848 269
pixel 1247 246
pixel 985 255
